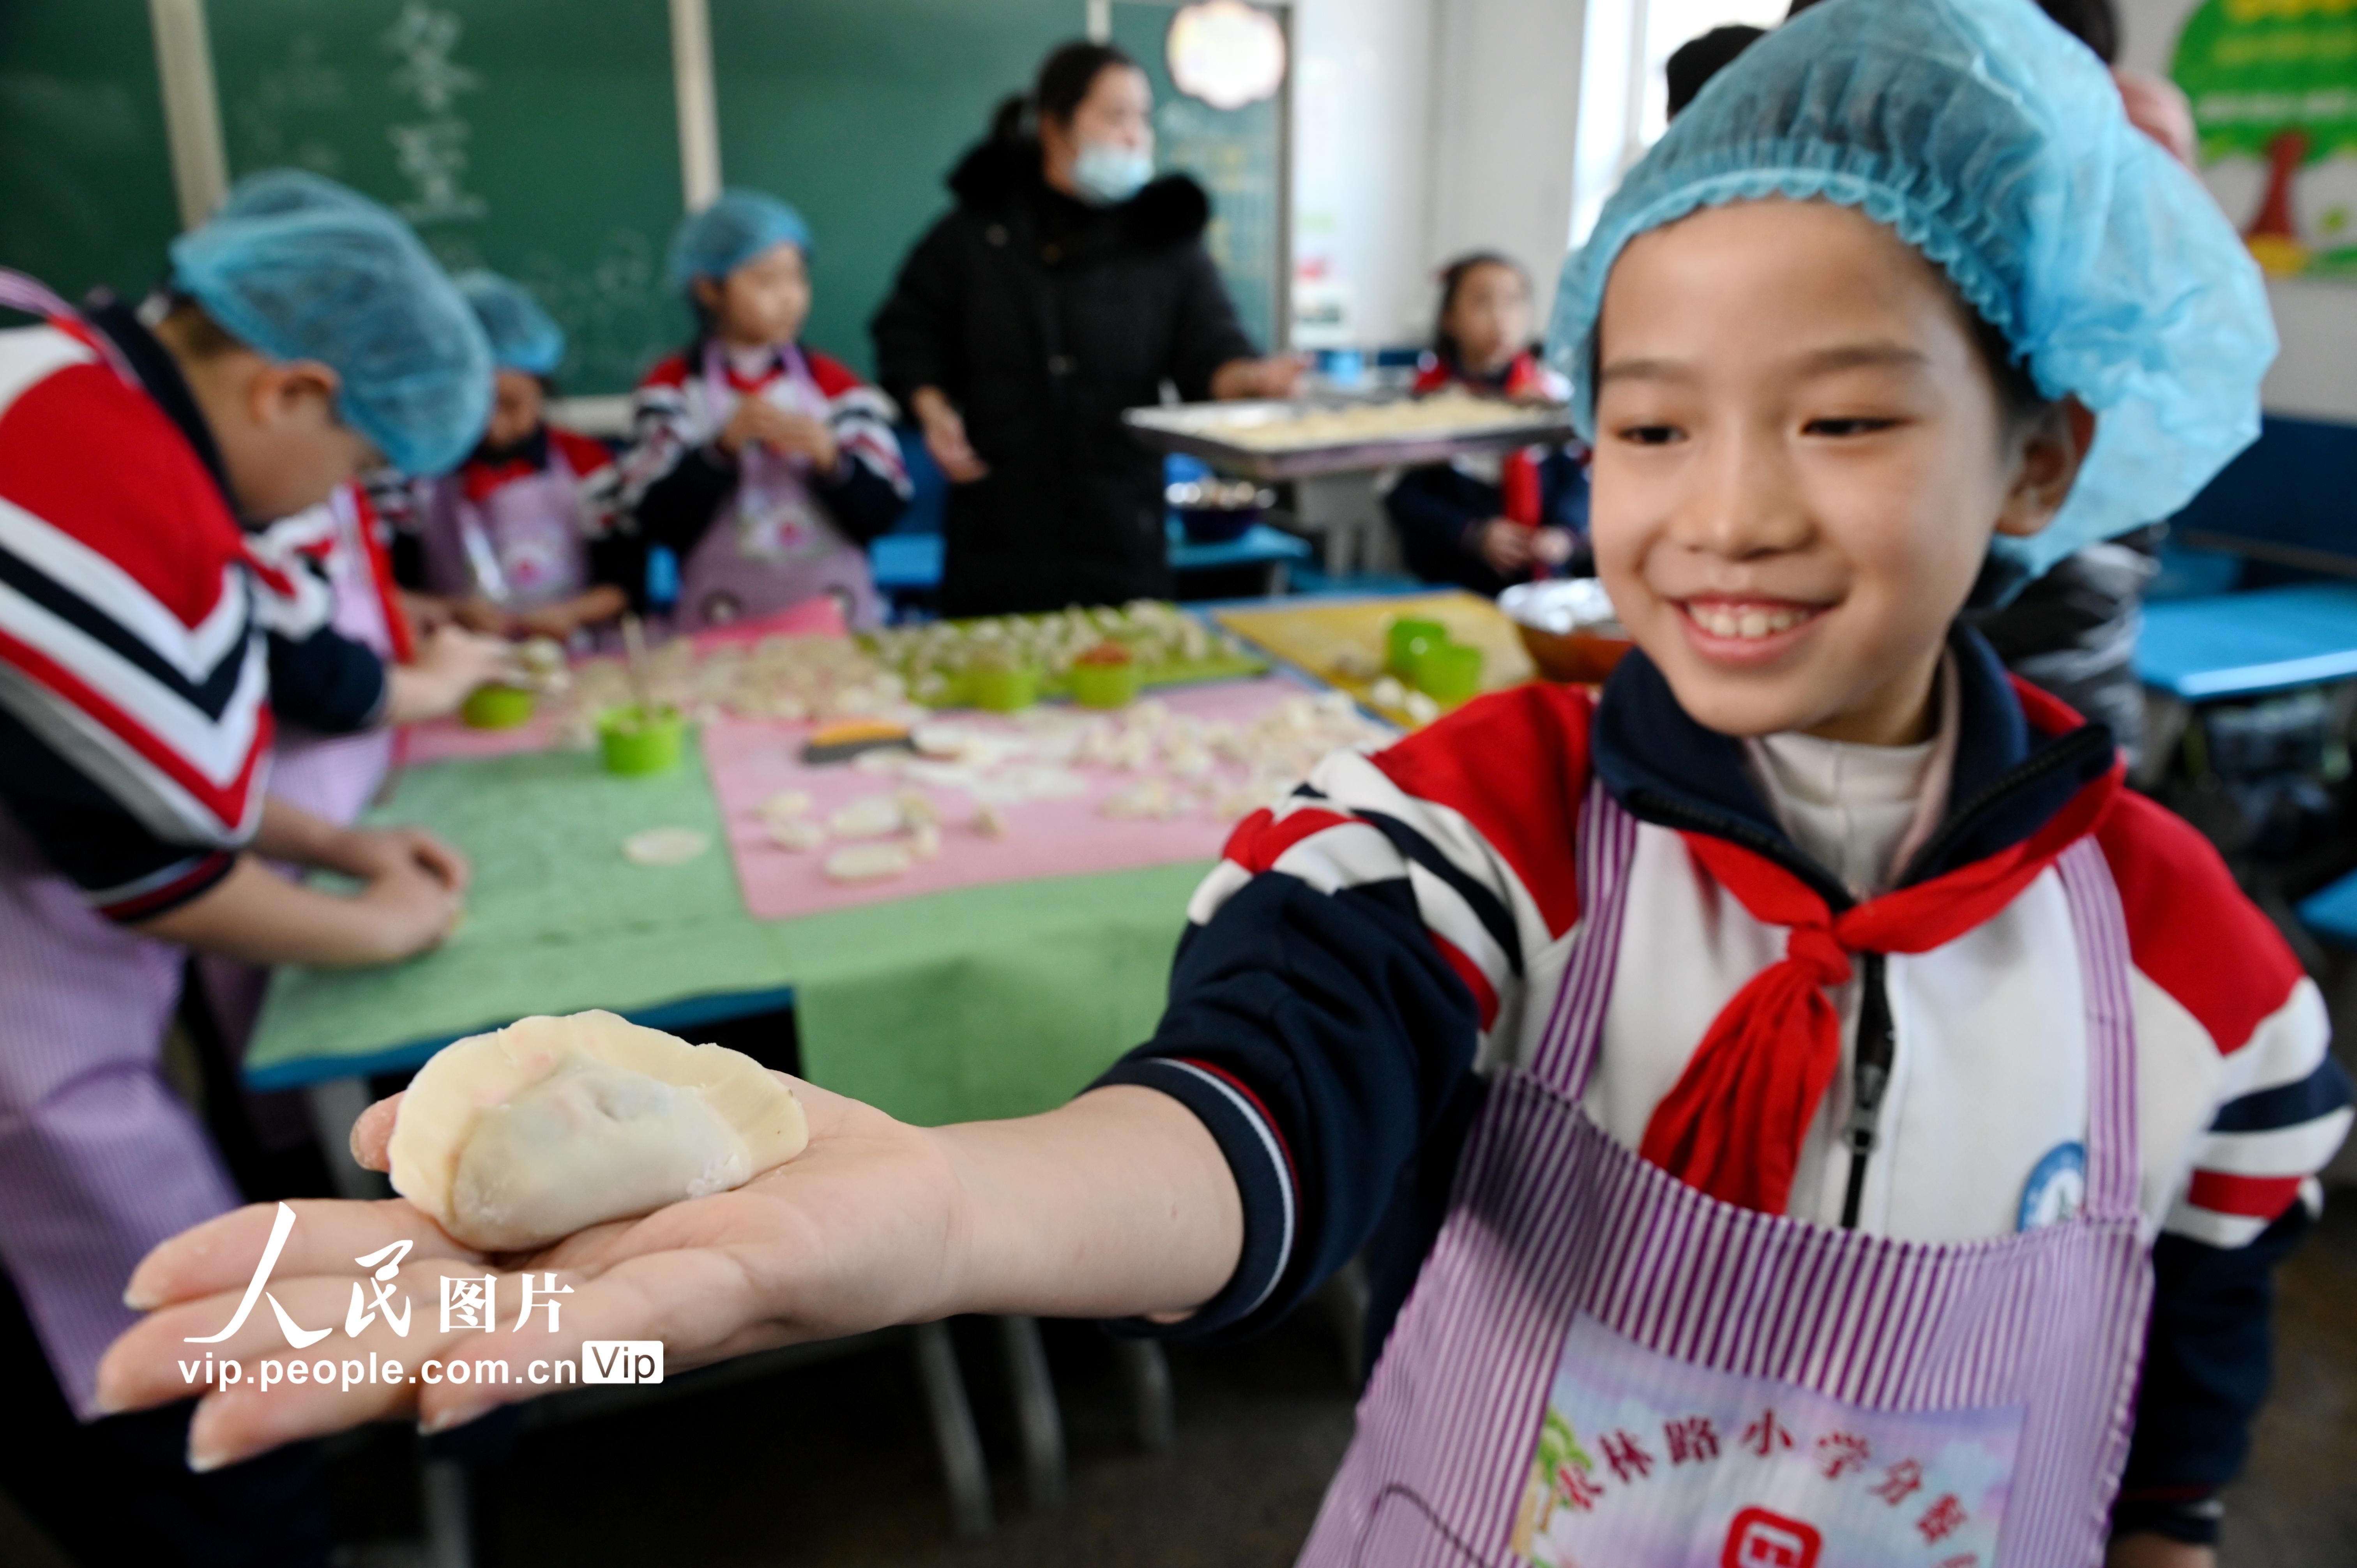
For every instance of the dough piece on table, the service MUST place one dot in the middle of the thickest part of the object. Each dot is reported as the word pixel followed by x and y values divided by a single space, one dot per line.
pixel 513 1139
pixel 666 846
pixel 795 834
pixel 868 863
pixel 786 803
pixel 869 817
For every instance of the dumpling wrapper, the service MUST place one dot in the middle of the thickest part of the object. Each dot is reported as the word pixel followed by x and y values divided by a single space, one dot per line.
pixel 513 1139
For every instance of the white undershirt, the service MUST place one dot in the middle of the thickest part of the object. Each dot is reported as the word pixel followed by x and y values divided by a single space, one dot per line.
pixel 1859 811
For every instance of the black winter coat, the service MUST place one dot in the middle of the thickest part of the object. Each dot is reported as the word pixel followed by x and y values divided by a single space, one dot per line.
pixel 1042 319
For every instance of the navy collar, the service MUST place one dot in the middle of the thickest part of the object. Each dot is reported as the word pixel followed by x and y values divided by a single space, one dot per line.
pixel 160 379
pixel 2009 779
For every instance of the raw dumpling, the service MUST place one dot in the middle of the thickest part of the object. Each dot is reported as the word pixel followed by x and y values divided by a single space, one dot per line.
pixel 514 1138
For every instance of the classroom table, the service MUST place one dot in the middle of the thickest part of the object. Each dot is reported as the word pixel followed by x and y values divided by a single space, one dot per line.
pixel 981 1002
pixel 2236 646
pixel 910 564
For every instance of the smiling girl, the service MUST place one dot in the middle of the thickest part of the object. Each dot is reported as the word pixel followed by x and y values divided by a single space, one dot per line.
pixel 1796 1105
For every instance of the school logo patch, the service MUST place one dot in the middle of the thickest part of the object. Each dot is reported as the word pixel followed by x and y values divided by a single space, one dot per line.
pixel 2057 1188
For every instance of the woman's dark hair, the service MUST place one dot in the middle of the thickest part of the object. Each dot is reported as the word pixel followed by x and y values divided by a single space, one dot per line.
pixel 2095 23
pixel 1063 83
pixel 1452 278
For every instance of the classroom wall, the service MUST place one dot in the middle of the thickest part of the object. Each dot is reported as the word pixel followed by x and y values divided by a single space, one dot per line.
pixel 1363 155
pixel 2315 377
pixel 1504 122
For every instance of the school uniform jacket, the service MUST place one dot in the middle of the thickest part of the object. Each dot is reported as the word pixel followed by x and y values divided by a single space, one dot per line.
pixel 1371 951
pixel 146 640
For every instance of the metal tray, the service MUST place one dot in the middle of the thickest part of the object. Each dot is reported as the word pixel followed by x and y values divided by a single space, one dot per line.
pixel 1185 427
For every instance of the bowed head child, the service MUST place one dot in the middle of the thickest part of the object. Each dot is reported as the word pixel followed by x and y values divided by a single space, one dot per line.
pixel 517 538
pixel 149 643
pixel 1797 1097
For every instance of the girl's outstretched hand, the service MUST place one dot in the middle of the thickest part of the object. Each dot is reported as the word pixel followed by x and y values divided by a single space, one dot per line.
pixel 855 1233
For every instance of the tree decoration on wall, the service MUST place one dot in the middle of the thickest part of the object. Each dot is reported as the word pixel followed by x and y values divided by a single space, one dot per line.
pixel 2277 80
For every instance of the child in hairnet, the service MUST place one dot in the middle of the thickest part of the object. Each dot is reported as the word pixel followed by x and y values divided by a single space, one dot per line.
pixel 1487 521
pixel 149 643
pixel 764 465
pixel 1797 1106
pixel 516 538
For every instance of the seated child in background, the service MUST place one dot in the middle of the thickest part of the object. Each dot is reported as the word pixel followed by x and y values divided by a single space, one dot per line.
pixel 515 539
pixel 765 467
pixel 1798 1096
pixel 147 642
pixel 1488 520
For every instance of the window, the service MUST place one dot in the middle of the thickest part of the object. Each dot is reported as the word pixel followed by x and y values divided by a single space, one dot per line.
pixel 1623 100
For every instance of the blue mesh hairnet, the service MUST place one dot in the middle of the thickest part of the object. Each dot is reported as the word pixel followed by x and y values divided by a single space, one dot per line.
pixel 268 192
pixel 524 337
pixel 735 228
pixel 1996 144
pixel 352 289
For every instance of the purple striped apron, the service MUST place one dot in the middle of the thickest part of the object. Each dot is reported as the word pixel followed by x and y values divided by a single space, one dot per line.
pixel 1602 1366
pixel 100 1160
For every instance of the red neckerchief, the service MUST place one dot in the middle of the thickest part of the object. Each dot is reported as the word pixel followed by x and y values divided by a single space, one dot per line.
pixel 1521 496
pixel 399 635
pixel 746 386
pixel 1734 1125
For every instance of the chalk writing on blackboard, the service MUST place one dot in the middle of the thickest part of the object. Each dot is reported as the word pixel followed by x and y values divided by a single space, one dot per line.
pixel 432 153
pixel 305 83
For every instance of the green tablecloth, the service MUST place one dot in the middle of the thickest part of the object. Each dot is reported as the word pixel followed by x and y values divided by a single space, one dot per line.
pixel 978 1003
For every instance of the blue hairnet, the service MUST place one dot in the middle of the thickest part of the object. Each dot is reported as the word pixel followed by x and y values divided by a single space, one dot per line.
pixel 734 230
pixel 352 289
pixel 269 192
pixel 524 337
pixel 1996 144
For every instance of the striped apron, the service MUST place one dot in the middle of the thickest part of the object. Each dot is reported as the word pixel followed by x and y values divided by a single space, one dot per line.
pixel 1601 1365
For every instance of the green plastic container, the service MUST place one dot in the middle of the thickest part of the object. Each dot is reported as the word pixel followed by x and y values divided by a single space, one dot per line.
pixel 1105 685
pixel 635 744
pixel 1407 637
pixel 1449 672
pixel 497 707
pixel 1002 690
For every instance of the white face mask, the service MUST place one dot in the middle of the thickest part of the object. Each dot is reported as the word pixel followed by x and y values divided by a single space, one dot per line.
pixel 1109 173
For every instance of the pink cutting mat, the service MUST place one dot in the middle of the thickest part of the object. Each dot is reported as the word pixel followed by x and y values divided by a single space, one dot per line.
pixel 448 739
pixel 751 759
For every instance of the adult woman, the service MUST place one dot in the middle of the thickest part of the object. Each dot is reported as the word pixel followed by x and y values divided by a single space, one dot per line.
pixel 1065 286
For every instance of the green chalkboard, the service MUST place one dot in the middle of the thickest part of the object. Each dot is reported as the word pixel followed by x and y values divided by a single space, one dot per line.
pixel 855 112
pixel 1236 153
pixel 538 137
pixel 85 178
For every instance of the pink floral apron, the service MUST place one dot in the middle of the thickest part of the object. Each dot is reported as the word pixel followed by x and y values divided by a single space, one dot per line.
pixel 520 546
pixel 773 545
pixel 1600 1365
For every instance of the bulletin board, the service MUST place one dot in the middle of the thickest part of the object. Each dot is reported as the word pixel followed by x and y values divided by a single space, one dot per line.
pixel 536 137
pixel 1238 156
pixel 2274 88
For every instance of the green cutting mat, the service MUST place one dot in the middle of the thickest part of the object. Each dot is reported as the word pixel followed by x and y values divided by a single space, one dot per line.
pixel 981 1001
